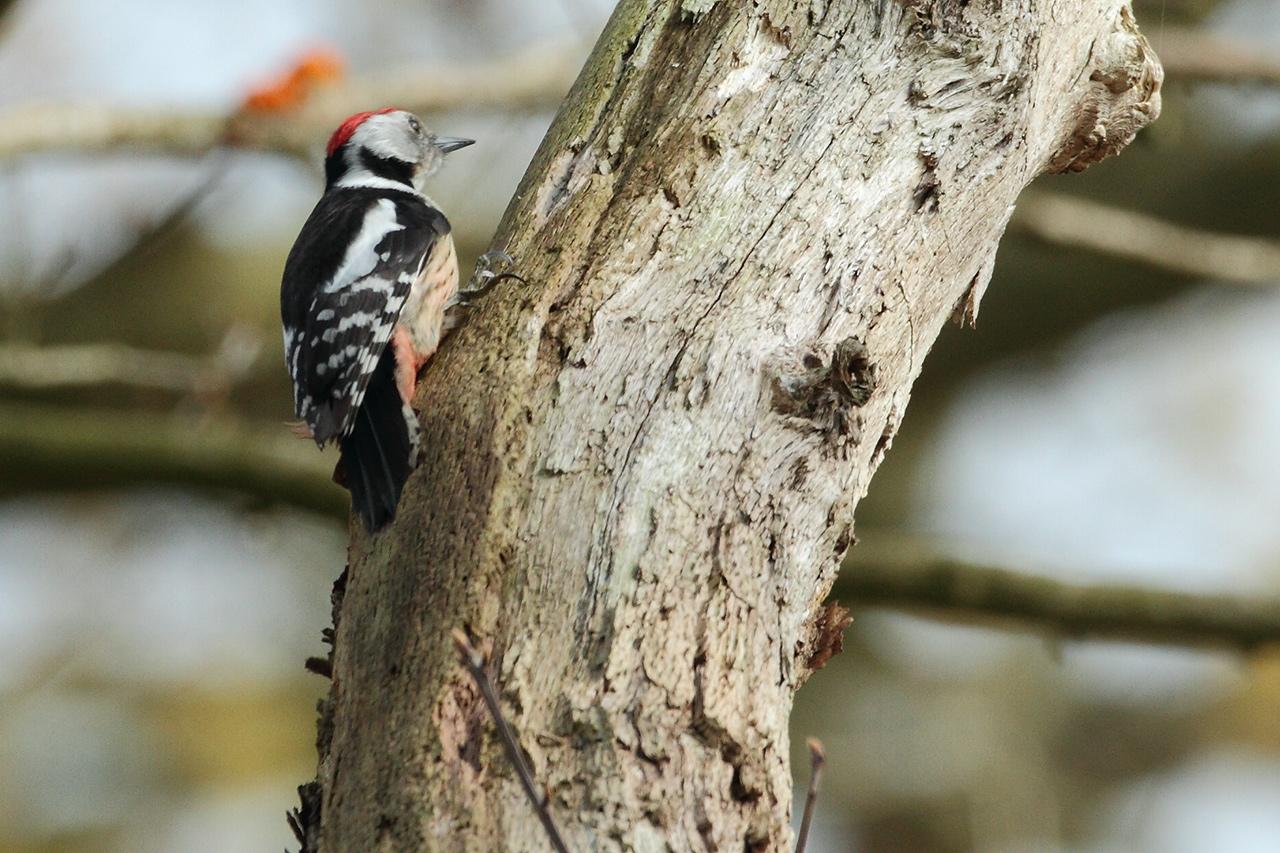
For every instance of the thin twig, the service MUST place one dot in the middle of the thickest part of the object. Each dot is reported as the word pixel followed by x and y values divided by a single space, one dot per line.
pixel 70 273
pixel 474 662
pixel 1066 221
pixel 534 80
pixel 817 760
pixel 905 573
pixel 155 233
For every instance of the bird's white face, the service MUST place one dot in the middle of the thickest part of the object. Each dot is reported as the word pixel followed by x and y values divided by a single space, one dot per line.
pixel 395 136
pixel 398 135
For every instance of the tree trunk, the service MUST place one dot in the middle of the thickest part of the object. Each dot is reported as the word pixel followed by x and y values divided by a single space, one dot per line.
pixel 741 236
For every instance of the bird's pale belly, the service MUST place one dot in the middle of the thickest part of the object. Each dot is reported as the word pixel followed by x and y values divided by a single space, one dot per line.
pixel 423 313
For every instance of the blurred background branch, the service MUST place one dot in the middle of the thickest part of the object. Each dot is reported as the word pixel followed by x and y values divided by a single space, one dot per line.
pixel 1076 223
pixel 534 79
pixel 44 447
pixel 528 81
pixel 903 572
pixel 35 367
pixel 1200 56
pixel 48 448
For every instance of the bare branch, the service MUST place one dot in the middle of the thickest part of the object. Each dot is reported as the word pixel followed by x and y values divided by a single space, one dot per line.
pixel 536 79
pixel 157 231
pixel 80 365
pixel 1080 224
pixel 51 447
pixel 1201 56
pixel 817 760
pixel 905 573
pixel 474 663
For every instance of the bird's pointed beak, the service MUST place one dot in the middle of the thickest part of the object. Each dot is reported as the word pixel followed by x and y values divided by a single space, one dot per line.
pixel 452 143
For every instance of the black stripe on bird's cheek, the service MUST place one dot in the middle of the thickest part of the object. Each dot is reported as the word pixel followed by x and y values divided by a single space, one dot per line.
pixel 387 167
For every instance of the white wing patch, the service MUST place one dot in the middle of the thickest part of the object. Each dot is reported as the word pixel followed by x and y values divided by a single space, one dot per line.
pixel 362 255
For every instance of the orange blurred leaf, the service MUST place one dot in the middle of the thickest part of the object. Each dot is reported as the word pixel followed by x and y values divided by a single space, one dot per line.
pixel 313 70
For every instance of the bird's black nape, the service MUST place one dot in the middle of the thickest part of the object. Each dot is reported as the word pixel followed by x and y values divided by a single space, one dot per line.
pixel 387 167
pixel 336 167
pixel 376 455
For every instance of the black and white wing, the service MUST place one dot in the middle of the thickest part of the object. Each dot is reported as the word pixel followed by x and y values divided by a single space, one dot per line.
pixel 345 283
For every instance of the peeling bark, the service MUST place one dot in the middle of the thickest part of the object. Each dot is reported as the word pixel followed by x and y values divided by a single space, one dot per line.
pixel 741 236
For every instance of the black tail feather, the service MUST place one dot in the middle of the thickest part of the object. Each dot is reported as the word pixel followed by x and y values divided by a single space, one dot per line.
pixel 376 455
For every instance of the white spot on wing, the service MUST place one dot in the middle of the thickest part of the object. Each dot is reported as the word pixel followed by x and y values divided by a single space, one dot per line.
pixel 372 283
pixel 358 318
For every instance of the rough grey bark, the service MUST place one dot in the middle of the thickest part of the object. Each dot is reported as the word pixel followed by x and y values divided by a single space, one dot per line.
pixel 741 236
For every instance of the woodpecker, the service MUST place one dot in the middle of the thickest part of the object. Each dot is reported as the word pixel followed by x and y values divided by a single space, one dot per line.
pixel 363 301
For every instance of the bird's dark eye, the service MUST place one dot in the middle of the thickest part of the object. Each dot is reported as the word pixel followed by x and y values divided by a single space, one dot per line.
pixel 415 125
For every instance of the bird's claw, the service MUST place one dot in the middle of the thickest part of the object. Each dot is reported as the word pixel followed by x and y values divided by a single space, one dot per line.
pixel 491 268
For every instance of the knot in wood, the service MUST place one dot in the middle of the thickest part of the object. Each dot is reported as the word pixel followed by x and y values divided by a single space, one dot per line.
pixel 941 25
pixel 827 635
pixel 826 392
pixel 1121 96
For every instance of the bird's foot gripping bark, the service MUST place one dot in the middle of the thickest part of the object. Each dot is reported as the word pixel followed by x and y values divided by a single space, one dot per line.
pixel 491 268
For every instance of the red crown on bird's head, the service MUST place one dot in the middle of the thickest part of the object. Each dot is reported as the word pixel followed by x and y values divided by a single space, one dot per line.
pixel 348 127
